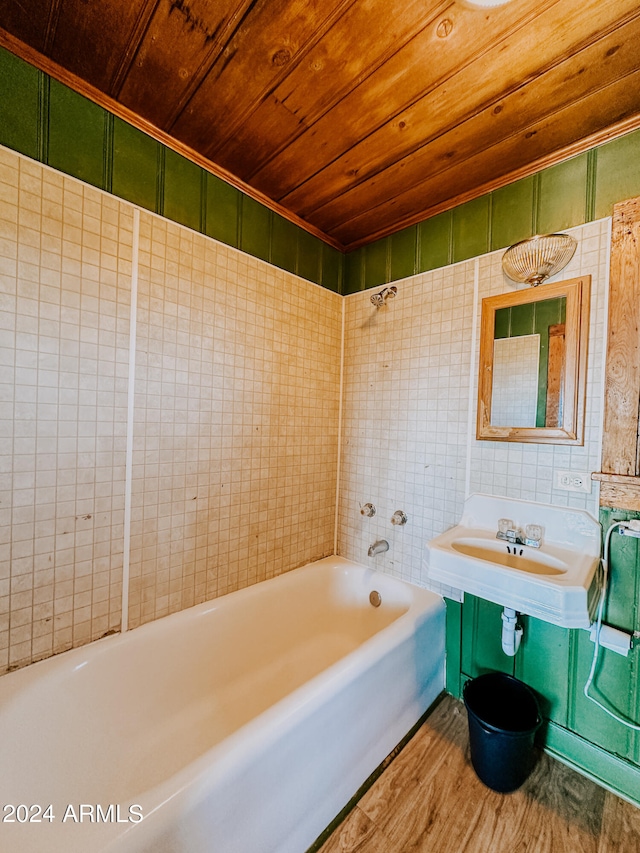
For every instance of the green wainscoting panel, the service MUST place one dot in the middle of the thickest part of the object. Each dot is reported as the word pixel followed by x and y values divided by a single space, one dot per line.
pixel 376 256
pixel 183 190
pixel 617 173
pixel 435 242
pixel 135 165
pixel 77 135
pixel 542 662
pixel 620 776
pixel 284 243
pixel 21 87
pixel 353 272
pixel 332 268
pixel 471 228
pixel 222 211
pixel 403 253
pixel 563 201
pixel 623 599
pixel 309 256
pixel 453 684
pixel 512 213
pixel 482 638
pixel 615 686
pixel 255 228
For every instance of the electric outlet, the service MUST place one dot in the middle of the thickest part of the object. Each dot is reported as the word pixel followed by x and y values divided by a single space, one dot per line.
pixel 573 481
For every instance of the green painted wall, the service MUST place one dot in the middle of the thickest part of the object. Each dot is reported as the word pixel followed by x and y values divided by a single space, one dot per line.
pixel 49 122
pixel 555 662
pixel 576 191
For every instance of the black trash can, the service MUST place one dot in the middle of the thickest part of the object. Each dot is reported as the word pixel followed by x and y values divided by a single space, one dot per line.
pixel 503 719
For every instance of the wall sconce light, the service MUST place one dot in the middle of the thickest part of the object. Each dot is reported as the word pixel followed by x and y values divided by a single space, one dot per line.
pixel 538 257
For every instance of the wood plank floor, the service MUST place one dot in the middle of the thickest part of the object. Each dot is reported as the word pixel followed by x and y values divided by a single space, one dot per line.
pixel 429 800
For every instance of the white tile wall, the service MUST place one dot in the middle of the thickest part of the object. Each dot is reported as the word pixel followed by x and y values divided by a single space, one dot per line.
pixel 65 265
pixel 406 396
pixel 526 470
pixel 236 421
pixel 410 408
pixel 235 414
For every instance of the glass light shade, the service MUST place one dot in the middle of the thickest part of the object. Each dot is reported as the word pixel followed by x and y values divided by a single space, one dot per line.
pixel 538 257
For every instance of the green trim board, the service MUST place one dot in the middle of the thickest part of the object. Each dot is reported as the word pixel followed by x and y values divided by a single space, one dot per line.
pixel 453 650
pixel 49 122
pixel 612 772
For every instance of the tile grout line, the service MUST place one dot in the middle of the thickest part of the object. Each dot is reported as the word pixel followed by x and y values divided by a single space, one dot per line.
pixel 128 477
pixel 471 406
pixel 339 453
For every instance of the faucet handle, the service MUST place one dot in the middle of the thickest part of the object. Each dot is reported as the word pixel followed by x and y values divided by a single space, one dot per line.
pixel 399 517
pixel 533 535
pixel 505 524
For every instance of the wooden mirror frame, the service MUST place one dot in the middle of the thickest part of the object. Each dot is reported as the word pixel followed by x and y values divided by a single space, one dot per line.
pixel 571 431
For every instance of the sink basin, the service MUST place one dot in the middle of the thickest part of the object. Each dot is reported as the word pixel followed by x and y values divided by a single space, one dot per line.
pixel 511 556
pixel 556 582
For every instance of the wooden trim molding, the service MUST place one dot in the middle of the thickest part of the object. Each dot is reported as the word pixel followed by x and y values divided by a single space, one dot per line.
pixel 620 477
pixel 618 491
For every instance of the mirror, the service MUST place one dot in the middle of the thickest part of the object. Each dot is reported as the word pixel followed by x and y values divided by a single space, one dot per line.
pixel 533 357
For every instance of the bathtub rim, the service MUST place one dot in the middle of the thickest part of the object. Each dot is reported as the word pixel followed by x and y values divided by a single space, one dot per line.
pixel 189 785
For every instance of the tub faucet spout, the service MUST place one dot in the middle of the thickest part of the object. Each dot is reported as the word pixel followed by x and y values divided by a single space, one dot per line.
pixel 378 547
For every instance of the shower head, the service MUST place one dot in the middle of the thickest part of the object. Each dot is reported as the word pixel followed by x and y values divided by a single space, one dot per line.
pixel 378 299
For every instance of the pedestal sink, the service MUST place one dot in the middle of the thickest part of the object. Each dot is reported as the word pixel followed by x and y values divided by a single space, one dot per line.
pixel 556 582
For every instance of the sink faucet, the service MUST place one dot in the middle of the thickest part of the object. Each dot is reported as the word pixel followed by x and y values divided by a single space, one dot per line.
pixel 508 532
pixel 511 535
pixel 378 547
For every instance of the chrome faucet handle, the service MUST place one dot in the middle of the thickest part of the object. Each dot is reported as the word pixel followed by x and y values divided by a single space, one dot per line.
pixel 533 535
pixel 399 517
pixel 507 530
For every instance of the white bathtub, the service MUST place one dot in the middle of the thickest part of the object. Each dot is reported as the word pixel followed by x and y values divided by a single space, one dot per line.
pixel 242 725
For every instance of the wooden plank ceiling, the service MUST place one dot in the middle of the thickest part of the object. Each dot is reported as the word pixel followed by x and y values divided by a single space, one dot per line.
pixel 357 117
